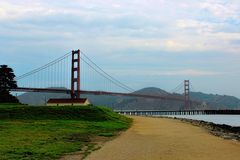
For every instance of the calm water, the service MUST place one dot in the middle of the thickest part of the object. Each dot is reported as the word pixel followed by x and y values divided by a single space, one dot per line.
pixel 232 120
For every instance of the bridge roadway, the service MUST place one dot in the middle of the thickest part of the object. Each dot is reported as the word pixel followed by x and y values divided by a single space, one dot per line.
pixel 136 112
pixel 68 91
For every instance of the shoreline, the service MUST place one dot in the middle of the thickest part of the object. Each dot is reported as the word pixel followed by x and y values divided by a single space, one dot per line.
pixel 221 130
pixel 226 132
pixel 166 138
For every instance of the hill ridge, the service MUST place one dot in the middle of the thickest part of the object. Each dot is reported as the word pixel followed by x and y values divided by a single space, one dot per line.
pixel 213 101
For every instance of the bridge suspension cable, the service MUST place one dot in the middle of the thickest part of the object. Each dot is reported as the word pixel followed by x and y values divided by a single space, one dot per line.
pixel 52 74
pixel 178 88
pixel 192 88
pixel 57 74
pixel 104 74
pixel 43 67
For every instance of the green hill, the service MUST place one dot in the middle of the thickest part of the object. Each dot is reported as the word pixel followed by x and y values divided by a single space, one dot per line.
pixel 216 101
pixel 49 132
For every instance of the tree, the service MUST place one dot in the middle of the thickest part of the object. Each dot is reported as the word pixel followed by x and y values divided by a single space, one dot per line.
pixel 6 83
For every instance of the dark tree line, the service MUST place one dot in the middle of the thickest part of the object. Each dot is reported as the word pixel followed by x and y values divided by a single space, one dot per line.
pixel 6 83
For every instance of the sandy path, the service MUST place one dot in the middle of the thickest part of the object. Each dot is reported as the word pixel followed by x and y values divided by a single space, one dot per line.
pixel 157 139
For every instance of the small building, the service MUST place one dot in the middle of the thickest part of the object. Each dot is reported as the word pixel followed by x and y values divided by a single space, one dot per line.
pixel 68 102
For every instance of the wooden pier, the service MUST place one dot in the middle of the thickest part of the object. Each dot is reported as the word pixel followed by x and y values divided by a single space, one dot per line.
pixel 177 112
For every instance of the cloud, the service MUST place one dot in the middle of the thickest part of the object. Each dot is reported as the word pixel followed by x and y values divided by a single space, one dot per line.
pixel 207 36
pixel 196 25
pixel 156 25
pixel 222 9
pixel 12 10
pixel 159 37
pixel 151 72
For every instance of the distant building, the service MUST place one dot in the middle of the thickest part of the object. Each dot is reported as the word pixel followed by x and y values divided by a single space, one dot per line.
pixel 68 102
pixel 204 105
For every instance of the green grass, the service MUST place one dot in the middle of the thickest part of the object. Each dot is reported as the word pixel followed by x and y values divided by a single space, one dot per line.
pixel 28 132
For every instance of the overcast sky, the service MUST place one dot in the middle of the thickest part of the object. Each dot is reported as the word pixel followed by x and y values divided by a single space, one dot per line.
pixel 143 43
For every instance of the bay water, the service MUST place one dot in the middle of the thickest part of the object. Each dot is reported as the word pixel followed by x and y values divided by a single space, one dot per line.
pixel 231 120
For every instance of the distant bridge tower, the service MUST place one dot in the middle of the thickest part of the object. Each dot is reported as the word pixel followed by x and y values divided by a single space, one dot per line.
pixel 186 94
pixel 75 78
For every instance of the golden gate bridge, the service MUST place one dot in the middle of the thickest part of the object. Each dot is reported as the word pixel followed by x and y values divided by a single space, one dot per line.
pixel 76 74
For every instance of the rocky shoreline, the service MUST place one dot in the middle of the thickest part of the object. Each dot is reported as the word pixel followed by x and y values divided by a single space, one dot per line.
pixel 220 130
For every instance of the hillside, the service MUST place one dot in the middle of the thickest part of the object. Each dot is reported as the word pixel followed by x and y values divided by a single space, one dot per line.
pixel 151 91
pixel 120 102
pixel 219 101
pixel 48 133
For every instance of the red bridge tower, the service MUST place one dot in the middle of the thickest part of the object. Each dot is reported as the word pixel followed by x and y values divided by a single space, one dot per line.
pixel 186 94
pixel 75 78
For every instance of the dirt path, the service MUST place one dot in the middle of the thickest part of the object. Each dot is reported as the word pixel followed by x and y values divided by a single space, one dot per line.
pixel 166 139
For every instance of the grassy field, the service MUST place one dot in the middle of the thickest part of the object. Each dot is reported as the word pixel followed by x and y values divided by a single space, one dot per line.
pixel 28 132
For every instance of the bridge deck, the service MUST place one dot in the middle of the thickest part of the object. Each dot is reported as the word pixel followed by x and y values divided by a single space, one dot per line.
pixel 68 91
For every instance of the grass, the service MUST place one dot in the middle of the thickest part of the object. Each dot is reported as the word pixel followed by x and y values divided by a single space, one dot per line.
pixel 28 132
